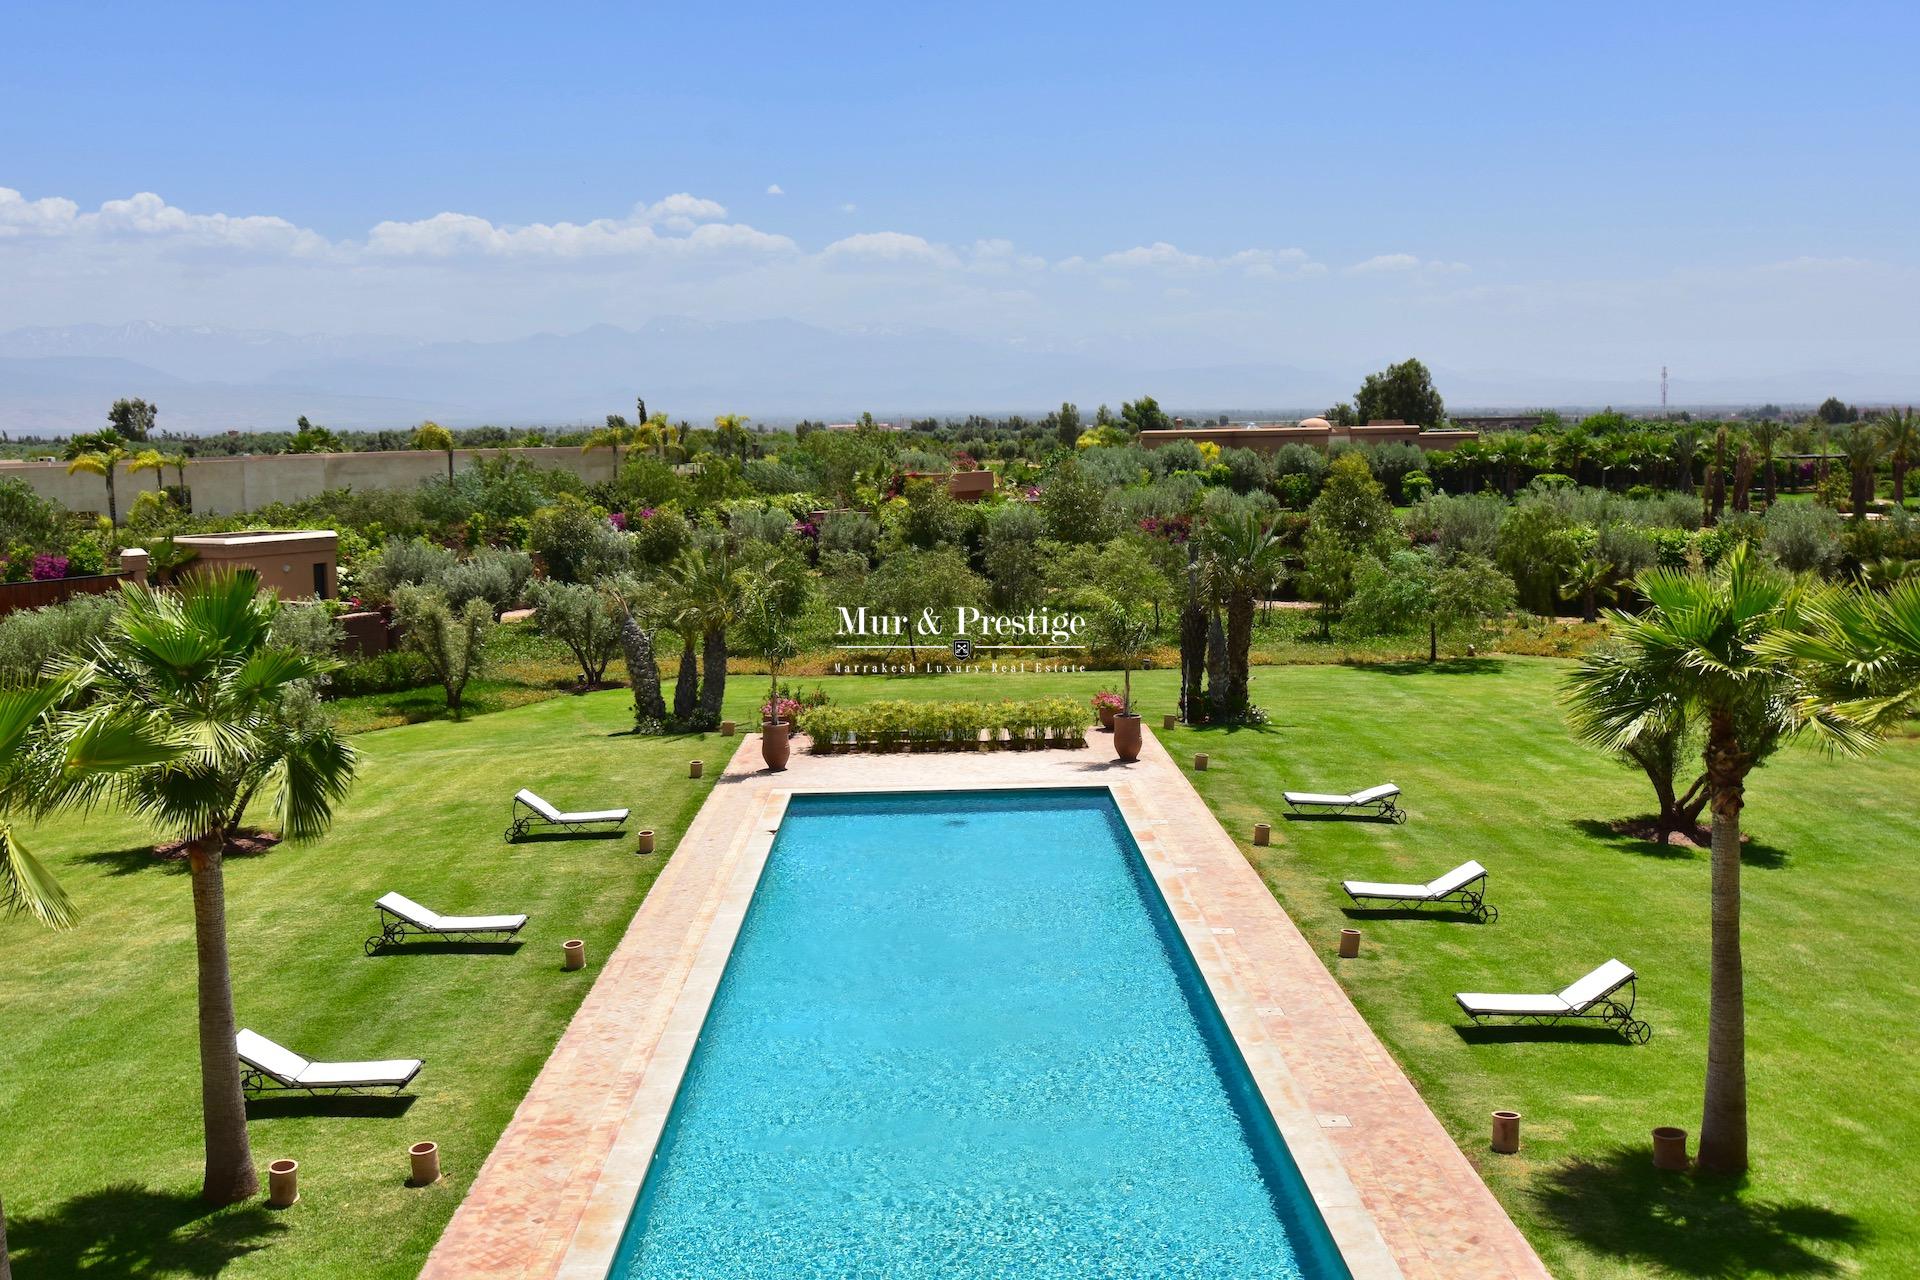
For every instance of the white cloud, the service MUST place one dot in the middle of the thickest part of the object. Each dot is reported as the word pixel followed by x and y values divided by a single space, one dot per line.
pixel 1389 263
pixel 890 246
pixel 849 207
pixel 694 223
pixel 773 189
pixel 147 216
pixel 1161 256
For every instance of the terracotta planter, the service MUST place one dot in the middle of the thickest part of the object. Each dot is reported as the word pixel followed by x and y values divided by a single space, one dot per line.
pixel 726 728
pixel 1506 1132
pixel 1169 720
pixel 283 1183
pixel 1106 717
pixel 425 1160
pixel 695 768
pixel 774 747
pixel 1669 1148
pixel 646 842
pixel 1349 943
pixel 575 950
pixel 1262 833
pixel 1200 762
pixel 1126 736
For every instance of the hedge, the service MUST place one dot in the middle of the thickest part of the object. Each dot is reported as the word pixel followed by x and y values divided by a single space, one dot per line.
pixel 946 726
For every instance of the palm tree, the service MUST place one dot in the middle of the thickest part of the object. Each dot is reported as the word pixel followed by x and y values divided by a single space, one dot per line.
pixel 1683 448
pixel 1900 439
pixel 1766 439
pixel 1658 738
pixel 659 435
pixel 1863 649
pixel 199 664
pixel 1861 447
pixel 616 435
pixel 731 428
pixel 772 595
pixel 431 435
pixel 1242 559
pixel 102 463
pixel 706 588
pixel 150 460
pixel 1585 581
pixel 1703 649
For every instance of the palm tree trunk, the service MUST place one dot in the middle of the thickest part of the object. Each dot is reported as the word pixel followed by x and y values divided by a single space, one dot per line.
pixel 449 468
pixel 1723 1120
pixel 1433 640
pixel 230 1175
pixel 713 685
pixel 686 685
pixel 643 672
pixel 113 499
pixel 1219 679
pixel 1239 651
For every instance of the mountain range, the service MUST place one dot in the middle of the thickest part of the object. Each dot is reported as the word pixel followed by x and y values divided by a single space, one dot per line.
pixel 61 379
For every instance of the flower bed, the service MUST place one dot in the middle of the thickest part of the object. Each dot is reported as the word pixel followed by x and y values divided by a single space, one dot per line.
pixel 946 726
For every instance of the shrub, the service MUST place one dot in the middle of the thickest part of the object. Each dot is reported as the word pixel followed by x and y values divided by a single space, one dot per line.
pixel 582 618
pixel 32 636
pixel 451 643
pixel 309 629
pixel 407 562
pixel 1245 470
pixel 889 725
pixel 47 567
pixel 854 531
pixel 759 524
pixel 657 536
pixel 1416 487
pixel 1801 537
pixel 575 541
pixel 498 577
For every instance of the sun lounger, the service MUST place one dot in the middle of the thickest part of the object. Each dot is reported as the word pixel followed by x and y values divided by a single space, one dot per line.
pixel 271 1066
pixel 1379 801
pixel 1605 995
pixel 538 810
pixel 1465 886
pixel 401 915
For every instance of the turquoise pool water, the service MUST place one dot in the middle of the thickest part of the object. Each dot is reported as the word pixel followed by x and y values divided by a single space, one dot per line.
pixel 960 1036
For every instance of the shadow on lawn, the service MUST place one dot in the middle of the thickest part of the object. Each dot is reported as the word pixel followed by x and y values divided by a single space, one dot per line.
pixel 1443 915
pixel 447 947
pixel 1531 1033
pixel 1763 857
pixel 132 862
pixel 1444 667
pixel 1620 1205
pixel 130 1230
pixel 291 1106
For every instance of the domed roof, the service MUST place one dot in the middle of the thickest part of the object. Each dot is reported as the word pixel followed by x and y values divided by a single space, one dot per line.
pixel 1319 423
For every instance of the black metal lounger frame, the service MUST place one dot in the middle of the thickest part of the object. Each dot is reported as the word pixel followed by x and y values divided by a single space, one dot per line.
pixel 257 1081
pixel 523 822
pixel 1387 807
pixel 1473 898
pixel 1606 1008
pixel 394 928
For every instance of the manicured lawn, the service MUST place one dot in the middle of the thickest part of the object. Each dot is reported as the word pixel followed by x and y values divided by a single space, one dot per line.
pixel 99 1136
pixel 99 1093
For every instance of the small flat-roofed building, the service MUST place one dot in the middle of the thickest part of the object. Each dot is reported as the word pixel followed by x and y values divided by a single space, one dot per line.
pixel 301 564
pixel 962 486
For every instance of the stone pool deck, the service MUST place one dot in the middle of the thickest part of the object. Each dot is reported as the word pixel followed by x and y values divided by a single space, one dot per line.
pixel 553 1197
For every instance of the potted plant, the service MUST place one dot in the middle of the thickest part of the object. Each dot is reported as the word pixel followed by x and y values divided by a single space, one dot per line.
pixel 1108 704
pixel 1123 626
pixel 772 597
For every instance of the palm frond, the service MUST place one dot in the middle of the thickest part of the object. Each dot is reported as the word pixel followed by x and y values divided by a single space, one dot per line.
pixel 27 886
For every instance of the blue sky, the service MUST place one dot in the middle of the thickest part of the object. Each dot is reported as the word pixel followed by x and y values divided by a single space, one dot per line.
pixel 1554 187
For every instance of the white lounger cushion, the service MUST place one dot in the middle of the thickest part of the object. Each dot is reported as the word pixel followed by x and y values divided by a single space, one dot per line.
pixel 552 814
pixel 1480 1002
pixel 1596 984
pixel 1464 874
pixel 1575 999
pixel 433 922
pixel 1372 795
pixel 290 1068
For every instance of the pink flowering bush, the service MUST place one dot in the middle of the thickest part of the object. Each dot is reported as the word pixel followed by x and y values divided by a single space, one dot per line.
pixel 780 709
pixel 1108 700
pixel 47 567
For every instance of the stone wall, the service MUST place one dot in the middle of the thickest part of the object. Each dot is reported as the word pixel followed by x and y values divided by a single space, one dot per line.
pixel 225 486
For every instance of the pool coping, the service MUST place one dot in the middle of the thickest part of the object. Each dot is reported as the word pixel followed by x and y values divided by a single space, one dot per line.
pixel 555 1196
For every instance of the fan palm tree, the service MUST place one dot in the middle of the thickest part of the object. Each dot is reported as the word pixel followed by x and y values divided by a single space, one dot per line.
pixel 1243 559
pixel 731 428
pixel 1860 445
pixel 199 663
pixel 659 436
pixel 1585 581
pixel 707 588
pixel 102 463
pixel 1900 440
pixel 1658 739
pixel 431 435
pixel 1863 649
pixel 1704 648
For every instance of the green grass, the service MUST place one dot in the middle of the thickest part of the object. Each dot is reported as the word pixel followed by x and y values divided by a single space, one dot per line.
pixel 99 1137
pixel 99 1094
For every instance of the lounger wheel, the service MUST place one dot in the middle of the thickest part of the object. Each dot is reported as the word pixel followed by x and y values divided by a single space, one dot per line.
pixel 1636 1031
pixel 373 943
pixel 1489 913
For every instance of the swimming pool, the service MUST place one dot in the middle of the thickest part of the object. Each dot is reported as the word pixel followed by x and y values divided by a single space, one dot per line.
pixel 960 1035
